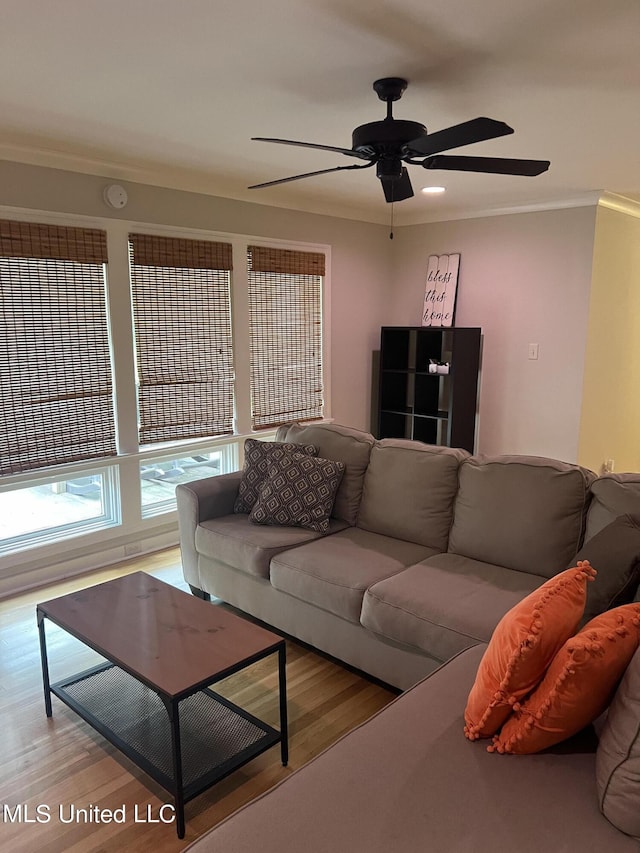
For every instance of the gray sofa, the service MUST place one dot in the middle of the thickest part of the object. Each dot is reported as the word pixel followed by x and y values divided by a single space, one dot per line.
pixel 428 547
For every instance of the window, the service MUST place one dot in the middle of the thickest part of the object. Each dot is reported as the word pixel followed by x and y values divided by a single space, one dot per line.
pixel 56 404
pixel 182 319
pixel 160 475
pixel 51 509
pixel 120 381
pixel 285 328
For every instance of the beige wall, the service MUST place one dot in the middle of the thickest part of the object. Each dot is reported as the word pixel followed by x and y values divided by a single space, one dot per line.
pixel 361 261
pixel 610 423
pixel 523 279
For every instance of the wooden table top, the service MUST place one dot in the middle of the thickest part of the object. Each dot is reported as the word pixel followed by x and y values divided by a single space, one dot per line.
pixel 170 640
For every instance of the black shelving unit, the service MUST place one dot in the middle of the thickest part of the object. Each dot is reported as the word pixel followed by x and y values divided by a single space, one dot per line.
pixel 414 403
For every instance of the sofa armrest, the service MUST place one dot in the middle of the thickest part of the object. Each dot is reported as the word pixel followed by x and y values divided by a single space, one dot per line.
pixel 198 501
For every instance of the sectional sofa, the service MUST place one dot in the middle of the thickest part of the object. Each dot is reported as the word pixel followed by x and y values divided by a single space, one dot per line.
pixel 427 548
pixel 407 781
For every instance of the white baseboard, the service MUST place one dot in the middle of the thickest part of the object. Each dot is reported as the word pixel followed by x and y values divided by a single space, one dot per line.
pixel 24 579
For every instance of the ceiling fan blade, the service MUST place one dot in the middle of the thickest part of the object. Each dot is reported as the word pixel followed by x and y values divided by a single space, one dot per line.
pixel 397 189
pixel 308 175
pixel 492 165
pixel 475 130
pixel 348 151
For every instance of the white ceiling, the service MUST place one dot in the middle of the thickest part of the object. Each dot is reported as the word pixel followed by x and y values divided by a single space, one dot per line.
pixel 171 91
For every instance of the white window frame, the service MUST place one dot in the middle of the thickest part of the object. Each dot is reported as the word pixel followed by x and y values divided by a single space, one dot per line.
pixel 110 517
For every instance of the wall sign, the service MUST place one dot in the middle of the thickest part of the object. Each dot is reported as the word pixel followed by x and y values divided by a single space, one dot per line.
pixel 440 290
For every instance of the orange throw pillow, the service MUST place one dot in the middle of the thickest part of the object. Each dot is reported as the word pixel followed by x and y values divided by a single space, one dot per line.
pixel 578 685
pixel 522 646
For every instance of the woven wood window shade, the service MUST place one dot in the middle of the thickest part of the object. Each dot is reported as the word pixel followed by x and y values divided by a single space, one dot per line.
pixel 285 319
pixel 56 404
pixel 182 317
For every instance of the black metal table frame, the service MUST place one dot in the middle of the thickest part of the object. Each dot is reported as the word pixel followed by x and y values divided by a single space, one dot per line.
pixel 171 703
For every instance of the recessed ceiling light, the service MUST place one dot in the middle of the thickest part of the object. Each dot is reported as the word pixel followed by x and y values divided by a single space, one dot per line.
pixel 433 190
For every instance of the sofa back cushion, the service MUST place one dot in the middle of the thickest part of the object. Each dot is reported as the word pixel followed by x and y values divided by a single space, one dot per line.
pixel 615 554
pixel 340 444
pixel 409 489
pixel 618 756
pixel 522 512
pixel 612 495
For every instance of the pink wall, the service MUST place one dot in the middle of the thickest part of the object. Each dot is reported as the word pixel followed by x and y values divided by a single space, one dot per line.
pixel 524 279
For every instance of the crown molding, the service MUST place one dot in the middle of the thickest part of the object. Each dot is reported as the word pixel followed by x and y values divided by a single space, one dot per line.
pixel 582 200
pixel 193 180
pixel 178 178
pixel 620 203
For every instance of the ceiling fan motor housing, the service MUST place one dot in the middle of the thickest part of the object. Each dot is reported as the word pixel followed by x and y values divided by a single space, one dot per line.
pixel 386 137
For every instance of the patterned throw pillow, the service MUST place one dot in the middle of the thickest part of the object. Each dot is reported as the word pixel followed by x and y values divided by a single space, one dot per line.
pixel 299 491
pixel 258 457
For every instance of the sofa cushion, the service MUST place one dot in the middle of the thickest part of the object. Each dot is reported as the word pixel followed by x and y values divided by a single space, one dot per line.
pixel 258 457
pixel 342 444
pixel 333 573
pixel 444 604
pixel 618 756
pixel 406 781
pixel 615 554
pixel 522 512
pixel 578 685
pixel 409 490
pixel 234 540
pixel 612 495
pixel 298 491
pixel 525 641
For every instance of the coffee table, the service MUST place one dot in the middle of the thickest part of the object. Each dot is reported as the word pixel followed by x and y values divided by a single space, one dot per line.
pixel 152 699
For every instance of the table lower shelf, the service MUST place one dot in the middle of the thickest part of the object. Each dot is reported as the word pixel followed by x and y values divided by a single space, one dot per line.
pixel 216 736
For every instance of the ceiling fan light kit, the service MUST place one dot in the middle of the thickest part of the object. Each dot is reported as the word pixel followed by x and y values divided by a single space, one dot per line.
pixel 391 143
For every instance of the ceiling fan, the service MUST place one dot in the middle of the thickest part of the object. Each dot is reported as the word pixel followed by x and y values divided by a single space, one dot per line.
pixel 390 143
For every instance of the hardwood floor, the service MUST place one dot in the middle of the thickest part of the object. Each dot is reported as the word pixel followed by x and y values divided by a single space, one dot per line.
pixel 62 763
